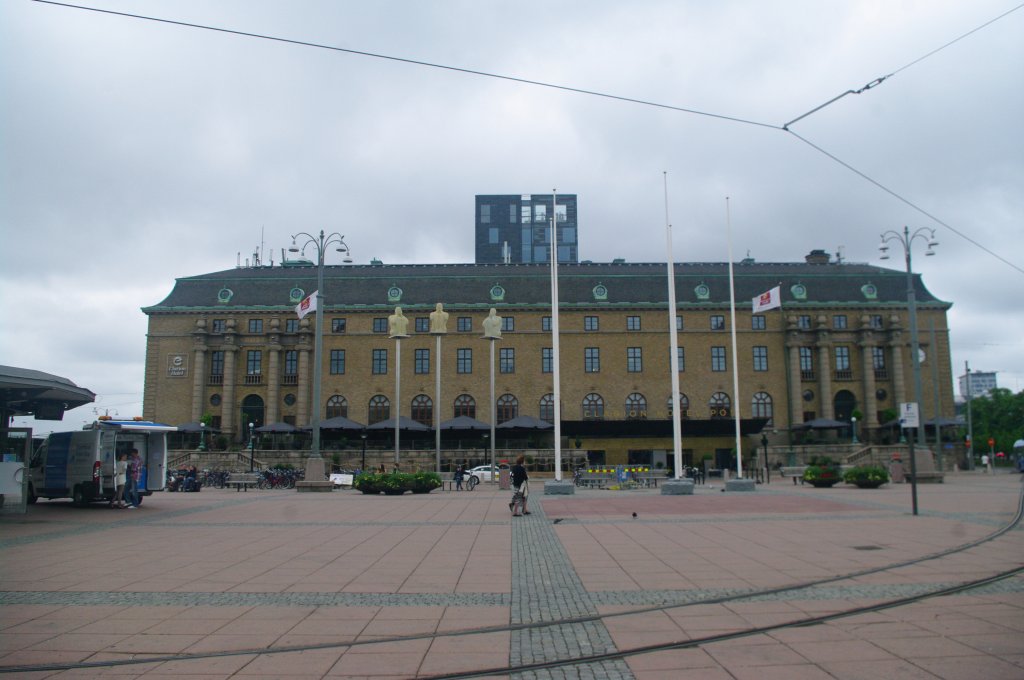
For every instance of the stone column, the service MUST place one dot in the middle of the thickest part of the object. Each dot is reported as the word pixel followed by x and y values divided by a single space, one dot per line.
pixel 824 370
pixel 796 399
pixel 866 343
pixel 228 414
pixel 274 372
pixel 198 368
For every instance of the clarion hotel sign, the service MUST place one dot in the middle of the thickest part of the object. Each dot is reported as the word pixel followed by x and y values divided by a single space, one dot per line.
pixel 177 366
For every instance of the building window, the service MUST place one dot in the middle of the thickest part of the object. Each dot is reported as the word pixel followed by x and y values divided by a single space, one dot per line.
pixel 337 325
pixel 508 323
pixel 291 326
pixel 839 322
pixel 878 363
pixel 719 405
pixel 380 324
pixel 681 358
pixel 422 324
pixel 684 406
pixel 423 409
pixel 547 358
pixel 679 323
pixel 465 405
pixel 593 407
pixel 843 371
pixel 337 406
pixel 632 323
pixel 218 325
pixel 718 363
pixel 465 324
pixel 806 363
pixel 291 362
pixel 254 362
pixel 545 324
pixel 634 360
pixel 717 322
pixel 337 362
pixel 379 409
pixel 757 322
pixel 485 213
pixel 506 408
pixel 760 358
pixel 590 323
pixel 422 362
pixel 217 365
pixel 636 406
pixel 803 322
pixel 380 362
pixel 464 360
pixel 761 406
pixel 547 408
pixel 592 360
pixel 255 325
pixel 875 321
pixel 507 360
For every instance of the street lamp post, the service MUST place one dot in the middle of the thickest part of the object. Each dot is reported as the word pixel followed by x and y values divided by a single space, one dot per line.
pixel 362 465
pixel 853 429
pixel 202 436
pixel 321 243
pixel 906 239
pixel 252 446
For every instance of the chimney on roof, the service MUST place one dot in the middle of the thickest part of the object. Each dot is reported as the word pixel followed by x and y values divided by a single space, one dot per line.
pixel 817 257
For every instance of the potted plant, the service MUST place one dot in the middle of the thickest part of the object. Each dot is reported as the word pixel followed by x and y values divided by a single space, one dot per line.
pixel 822 472
pixel 425 482
pixel 368 483
pixel 396 483
pixel 866 476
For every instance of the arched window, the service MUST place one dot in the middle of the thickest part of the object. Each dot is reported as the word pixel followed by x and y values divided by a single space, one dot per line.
pixel 636 406
pixel 252 412
pixel 337 406
pixel 423 410
pixel 547 408
pixel 719 405
pixel 507 408
pixel 593 407
pixel 380 409
pixel 761 406
pixel 465 405
pixel 684 404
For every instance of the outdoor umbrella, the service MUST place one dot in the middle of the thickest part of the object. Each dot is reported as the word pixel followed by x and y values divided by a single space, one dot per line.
pixel 465 424
pixel 404 423
pixel 821 424
pixel 340 423
pixel 277 428
pixel 525 423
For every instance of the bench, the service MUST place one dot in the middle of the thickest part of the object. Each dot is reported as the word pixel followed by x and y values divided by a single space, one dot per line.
pixel 651 478
pixel 242 480
pixel 448 481
pixel 596 479
pixel 795 471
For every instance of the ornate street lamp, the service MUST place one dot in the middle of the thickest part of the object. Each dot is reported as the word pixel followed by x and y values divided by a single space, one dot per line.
pixel 321 243
pixel 252 446
pixel 906 239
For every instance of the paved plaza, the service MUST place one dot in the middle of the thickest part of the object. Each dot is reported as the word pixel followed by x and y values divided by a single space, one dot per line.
pixel 344 585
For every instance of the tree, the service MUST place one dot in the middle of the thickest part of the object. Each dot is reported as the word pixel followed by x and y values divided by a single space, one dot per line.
pixel 1000 416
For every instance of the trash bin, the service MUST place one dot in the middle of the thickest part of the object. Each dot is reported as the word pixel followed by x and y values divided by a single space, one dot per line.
pixel 504 478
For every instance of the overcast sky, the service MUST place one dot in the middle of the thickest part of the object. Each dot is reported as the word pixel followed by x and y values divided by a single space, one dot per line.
pixel 135 152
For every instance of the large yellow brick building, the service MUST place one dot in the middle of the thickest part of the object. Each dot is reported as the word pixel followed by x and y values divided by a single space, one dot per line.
pixel 228 344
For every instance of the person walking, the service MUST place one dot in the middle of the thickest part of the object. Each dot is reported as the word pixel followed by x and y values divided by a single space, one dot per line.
pixel 520 487
pixel 460 473
pixel 131 488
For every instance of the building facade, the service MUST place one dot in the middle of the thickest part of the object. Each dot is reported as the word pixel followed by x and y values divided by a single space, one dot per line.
pixel 229 345
pixel 517 229
pixel 981 385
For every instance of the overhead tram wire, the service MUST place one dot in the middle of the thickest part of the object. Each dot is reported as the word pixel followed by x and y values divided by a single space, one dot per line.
pixel 565 88
pixel 417 62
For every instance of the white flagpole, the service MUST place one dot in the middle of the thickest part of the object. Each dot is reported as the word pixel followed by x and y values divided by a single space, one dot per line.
pixel 555 375
pixel 735 358
pixel 673 342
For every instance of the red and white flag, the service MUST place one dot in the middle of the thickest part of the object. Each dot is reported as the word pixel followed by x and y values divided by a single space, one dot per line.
pixel 768 300
pixel 307 305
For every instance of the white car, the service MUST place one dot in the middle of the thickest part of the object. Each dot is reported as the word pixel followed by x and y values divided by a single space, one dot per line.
pixel 483 473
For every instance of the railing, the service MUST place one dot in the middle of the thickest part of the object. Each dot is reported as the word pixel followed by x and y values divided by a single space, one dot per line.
pixel 807 375
pixel 844 375
pixel 290 380
pixel 881 374
pixel 215 380
pixel 254 379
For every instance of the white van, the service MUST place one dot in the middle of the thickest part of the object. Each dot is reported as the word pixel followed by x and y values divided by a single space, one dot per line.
pixel 80 465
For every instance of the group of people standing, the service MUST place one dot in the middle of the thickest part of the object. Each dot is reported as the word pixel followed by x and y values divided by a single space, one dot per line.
pixel 127 473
